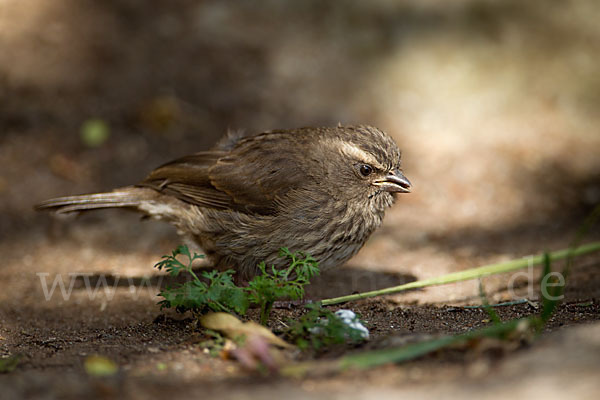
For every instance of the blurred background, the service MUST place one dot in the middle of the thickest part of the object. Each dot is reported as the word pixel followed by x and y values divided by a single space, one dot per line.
pixel 495 104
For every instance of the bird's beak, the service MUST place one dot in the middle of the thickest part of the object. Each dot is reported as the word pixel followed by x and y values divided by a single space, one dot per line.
pixel 394 182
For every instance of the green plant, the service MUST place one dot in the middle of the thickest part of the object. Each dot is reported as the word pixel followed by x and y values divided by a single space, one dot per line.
pixel 516 329
pixel 217 291
pixel 273 284
pixel 321 327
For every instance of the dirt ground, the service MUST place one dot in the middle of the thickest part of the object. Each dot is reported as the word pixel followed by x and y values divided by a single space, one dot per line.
pixel 494 104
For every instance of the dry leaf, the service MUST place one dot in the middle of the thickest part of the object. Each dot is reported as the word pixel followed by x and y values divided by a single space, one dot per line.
pixel 256 350
pixel 233 328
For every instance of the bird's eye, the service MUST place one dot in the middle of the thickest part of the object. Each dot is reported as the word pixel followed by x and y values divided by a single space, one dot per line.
pixel 365 170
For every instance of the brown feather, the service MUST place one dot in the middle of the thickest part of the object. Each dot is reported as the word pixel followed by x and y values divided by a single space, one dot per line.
pixel 250 196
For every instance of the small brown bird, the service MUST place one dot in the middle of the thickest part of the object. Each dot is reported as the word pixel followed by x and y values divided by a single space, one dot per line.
pixel 322 191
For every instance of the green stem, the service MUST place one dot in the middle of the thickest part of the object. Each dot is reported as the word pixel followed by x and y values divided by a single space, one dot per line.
pixel 373 358
pixel 473 273
pixel 265 310
pixel 192 273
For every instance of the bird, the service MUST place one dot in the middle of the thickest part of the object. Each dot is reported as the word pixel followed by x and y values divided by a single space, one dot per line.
pixel 321 191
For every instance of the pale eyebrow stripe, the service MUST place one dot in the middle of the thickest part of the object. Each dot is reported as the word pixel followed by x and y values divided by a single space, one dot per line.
pixel 353 151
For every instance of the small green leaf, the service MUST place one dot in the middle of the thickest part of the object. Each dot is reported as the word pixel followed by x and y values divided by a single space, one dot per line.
pixel 100 366
pixel 94 132
pixel 161 366
pixel 486 304
pixel 182 249
pixel 217 291
pixel 8 364
pixel 321 327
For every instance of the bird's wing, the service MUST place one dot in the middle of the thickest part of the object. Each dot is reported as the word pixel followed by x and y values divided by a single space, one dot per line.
pixel 187 179
pixel 249 178
pixel 261 170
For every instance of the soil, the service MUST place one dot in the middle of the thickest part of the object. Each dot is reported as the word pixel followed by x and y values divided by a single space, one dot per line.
pixel 503 158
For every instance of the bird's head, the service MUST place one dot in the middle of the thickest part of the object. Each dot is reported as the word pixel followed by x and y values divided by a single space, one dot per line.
pixel 365 163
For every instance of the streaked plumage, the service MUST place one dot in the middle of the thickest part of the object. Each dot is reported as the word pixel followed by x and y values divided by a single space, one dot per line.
pixel 318 190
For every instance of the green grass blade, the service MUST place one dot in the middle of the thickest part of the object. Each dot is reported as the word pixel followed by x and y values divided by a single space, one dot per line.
pixel 374 358
pixel 473 273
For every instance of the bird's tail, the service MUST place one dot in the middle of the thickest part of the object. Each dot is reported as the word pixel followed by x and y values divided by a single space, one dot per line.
pixel 128 197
